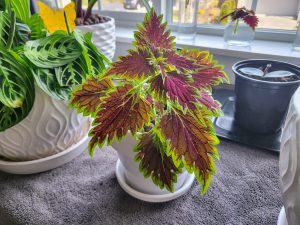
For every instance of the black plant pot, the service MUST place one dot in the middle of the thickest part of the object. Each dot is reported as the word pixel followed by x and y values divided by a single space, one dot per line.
pixel 260 105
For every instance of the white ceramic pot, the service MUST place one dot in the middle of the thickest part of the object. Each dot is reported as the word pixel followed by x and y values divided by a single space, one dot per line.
pixel 132 174
pixel 50 128
pixel 104 36
pixel 289 163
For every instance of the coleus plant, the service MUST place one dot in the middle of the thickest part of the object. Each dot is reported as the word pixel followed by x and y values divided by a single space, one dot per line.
pixel 229 10
pixel 30 58
pixel 162 97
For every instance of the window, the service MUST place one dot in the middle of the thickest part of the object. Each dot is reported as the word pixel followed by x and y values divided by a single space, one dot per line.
pixel 276 17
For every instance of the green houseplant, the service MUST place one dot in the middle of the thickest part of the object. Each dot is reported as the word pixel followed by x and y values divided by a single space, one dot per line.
pixel 37 74
pixel 162 97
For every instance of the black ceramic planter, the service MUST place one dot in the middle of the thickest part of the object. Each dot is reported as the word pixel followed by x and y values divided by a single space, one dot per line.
pixel 260 105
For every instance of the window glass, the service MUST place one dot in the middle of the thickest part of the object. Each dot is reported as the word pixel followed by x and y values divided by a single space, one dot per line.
pixel 278 14
pixel 273 14
pixel 124 5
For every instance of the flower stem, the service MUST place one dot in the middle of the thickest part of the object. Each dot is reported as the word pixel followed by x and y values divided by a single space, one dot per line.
pixel 67 22
pixel 236 26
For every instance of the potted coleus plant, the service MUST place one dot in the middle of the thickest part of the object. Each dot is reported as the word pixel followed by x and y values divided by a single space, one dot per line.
pixel 241 23
pixel 38 73
pixel 159 109
pixel 102 27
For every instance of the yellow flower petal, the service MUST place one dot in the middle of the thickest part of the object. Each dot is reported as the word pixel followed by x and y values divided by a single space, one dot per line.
pixel 54 19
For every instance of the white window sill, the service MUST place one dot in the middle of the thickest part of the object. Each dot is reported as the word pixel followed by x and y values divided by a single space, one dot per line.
pixel 215 44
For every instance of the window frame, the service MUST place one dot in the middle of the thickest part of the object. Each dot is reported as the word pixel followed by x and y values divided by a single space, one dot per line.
pixel 128 19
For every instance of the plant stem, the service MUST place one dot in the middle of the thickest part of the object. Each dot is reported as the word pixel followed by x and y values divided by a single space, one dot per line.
pixel 67 22
pixel 236 26
pixel 12 31
pixel 88 12
pixel 146 4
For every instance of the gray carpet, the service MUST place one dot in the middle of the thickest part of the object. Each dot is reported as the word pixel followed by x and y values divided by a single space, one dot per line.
pixel 85 191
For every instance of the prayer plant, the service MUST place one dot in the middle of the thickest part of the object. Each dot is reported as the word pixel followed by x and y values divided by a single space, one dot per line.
pixel 30 58
pixel 162 97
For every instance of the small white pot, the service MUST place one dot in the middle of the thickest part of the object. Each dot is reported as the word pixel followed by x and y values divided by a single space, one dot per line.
pixel 289 164
pixel 133 176
pixel 49 129
pixel 104 36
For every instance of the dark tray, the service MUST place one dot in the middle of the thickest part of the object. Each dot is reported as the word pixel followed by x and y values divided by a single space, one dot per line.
pixel 227 129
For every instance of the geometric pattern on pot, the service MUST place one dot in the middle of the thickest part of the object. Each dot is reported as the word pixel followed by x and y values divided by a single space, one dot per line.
pixel 289 163
pixel 104 36
pixel 50 127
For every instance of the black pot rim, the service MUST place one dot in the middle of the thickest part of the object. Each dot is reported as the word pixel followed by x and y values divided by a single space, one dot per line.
pixel 237 73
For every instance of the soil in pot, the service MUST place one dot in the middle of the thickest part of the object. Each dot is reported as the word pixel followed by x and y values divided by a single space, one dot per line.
pixel 263 91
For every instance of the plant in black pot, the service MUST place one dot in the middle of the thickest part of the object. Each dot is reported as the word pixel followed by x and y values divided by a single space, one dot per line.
pixel 263 91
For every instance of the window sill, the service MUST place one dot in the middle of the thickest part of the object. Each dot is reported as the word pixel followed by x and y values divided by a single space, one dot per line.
pixel 215 44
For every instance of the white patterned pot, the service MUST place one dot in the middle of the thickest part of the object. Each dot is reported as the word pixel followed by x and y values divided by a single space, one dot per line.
pixel 132 174
pixel 50 128
pixel 289 163
pixel 104 36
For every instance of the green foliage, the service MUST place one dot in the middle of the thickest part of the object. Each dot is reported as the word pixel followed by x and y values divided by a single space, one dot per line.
pixel 53 51
pixel 28 57
pixel 17 89
pixel 164 97
pixel 21 8
pixel 37 27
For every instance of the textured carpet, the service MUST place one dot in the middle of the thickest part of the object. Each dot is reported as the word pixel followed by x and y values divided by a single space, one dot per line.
pixel 85 191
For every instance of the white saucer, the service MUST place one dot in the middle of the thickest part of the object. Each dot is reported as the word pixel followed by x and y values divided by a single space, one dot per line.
pixel 44 164
pixel 282 218
pixel 148 197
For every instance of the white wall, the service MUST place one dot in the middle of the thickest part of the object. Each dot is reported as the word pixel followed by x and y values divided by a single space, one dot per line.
pixel 277 7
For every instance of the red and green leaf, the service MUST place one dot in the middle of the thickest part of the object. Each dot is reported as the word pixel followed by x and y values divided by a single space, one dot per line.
pixel 251 20
pixel 209 72
pixel 192 142
pixel 153 32
pixel 174 86
pixel 151 153
pixel 133 66
pixel 205 98
pixel 87 98
pixel 180 62
pixel 121 111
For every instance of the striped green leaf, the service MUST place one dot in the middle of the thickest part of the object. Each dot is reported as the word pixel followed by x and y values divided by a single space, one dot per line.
pixel 73 73
pixel 45 78
pixel 56 50
pixel 22 31
pixel 37 27
pixel 98 60
pixel 16 90
pixel 21 8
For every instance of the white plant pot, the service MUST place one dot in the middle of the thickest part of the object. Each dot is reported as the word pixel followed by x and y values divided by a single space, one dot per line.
pixel 289 164
pixel 136 184
pixel 104 36
pixel 49 129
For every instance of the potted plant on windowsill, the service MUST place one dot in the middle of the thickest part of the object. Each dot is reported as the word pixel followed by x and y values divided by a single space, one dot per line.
pixel 241 24
pixel 159 111
pixel 38 73
pixel 102 27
